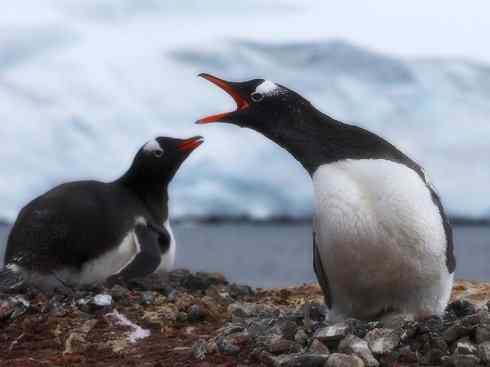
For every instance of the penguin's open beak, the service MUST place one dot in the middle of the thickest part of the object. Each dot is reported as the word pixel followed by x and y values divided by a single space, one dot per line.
pixel 232 88
pixel 188 145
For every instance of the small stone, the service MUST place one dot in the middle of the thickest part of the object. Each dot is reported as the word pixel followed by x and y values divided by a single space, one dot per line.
pixel 211 346
pixel 13 307
pixel 88 325
pixel 457 331
pixel 119 292
pixel 199 350
pixel 282 346
pixel 464 360
pixel 181 317
pixel 226 347
pixel 382 341
pixel 471 320
pixel 220 297
pixel 103 300
pixel 344 360
pixel 465 346
pixel 6 309
pixel 396 321
pixel 484 352
pixel 482 333
pixel 75 343
pixel 57 306
pixel 352 344
pixel 196 313
pixel 288 329
pixel 230 328
pixel 264 356
pixel 301 360
pixel 301 337
pixel 484 316
pixel 242 310
pixel 461 308
pixel 433 325
pixel 407 355
pixel 172 295
pixel 317 311
pixel 240 291
pixel 260 327
pixel 148 297
pixel 201 280
pixel 361 328
pixel 332 333
pixel 434 348
pixel 318 347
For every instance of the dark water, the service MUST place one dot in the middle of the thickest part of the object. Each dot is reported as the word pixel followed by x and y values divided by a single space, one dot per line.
pixel 279 255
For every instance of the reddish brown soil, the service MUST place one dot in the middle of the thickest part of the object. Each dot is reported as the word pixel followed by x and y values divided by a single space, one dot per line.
pixel 39 339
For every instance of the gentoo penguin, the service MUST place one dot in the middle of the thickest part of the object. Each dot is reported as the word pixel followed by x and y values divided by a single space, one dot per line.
pixel 82 233
pixel 382 244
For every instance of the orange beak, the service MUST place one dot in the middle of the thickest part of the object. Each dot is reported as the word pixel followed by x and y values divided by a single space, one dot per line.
pixel 241 102
pixel 188 145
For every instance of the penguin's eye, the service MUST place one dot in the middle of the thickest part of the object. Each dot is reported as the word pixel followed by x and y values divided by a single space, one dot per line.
pixel 158 153
pixel 257 97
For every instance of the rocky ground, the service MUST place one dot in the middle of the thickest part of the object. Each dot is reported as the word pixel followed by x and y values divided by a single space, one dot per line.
pixel 201 320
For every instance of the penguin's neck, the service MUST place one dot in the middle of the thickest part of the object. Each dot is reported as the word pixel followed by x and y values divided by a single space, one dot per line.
pixel 314 138
pixel 153 195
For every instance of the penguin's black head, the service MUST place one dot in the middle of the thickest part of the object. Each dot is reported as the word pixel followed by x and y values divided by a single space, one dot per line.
pixel 286 118
pixel 261 105
pixel 159 159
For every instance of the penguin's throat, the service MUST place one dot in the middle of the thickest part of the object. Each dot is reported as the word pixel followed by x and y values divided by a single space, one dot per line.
pixel 303 147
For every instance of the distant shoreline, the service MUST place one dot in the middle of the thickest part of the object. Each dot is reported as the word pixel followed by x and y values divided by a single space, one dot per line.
pixel 288 220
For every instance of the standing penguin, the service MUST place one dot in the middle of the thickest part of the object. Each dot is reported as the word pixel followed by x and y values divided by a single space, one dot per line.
pixel 382 244
pixel 84 232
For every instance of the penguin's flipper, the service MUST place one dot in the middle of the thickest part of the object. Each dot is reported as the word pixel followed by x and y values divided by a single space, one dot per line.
pixel 320 274
pixel 10 280
pixel 148 258
pixel 164 238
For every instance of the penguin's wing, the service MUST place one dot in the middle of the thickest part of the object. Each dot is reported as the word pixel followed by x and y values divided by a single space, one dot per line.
pixel 450 258
pixel 148 258
pixel 164 238
pixel 320 273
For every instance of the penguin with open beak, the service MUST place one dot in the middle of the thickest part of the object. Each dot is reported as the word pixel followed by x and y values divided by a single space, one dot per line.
pixel 88 232
pixel 382 243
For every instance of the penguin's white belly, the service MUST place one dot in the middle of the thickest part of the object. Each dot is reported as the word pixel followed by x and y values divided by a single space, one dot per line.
pixel 380 238
pixel 168 258
pixel 111 262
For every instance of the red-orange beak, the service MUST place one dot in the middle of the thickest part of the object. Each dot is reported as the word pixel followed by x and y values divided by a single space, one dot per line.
pixel 188 145
pixel 229 88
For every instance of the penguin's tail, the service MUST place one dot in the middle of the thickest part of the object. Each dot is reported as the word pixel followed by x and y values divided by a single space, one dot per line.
pixel 11 279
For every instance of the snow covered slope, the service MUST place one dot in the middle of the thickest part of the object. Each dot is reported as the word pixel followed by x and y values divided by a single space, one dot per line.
pixel 83 84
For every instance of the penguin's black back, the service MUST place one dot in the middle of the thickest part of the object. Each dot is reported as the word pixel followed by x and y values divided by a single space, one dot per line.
pixel 73 223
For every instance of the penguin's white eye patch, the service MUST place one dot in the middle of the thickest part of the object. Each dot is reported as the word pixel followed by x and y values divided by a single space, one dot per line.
pixel 158 153
pixel 267 88
pixel 152 146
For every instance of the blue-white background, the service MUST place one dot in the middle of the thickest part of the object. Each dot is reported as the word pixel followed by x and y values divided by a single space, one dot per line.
pixel 84 83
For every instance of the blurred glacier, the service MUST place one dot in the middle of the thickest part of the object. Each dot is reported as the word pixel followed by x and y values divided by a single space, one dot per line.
pixel 83 84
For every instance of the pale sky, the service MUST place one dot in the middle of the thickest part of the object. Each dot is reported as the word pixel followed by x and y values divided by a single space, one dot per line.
pixel 409 28
pixel 438 28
